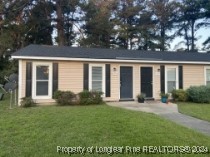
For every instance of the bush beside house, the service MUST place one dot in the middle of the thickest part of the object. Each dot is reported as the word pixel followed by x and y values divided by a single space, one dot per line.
pixel 179 95
pixel 199 94
pixel 27 102
pixel 65 98
pixel 83 98
pixel 90 97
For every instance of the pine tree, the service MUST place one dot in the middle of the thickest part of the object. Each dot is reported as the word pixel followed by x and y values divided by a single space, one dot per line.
pixel 146 32
pixel 206 23
pixel 190 13
pixel 164 14
pixel 68 14
pixel 98 26
pixel 126 20
pixel 39 24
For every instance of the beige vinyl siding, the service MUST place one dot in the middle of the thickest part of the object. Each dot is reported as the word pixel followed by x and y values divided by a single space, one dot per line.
pixel 156 81
pixel 193 75
pixel 115 80
pixel 23 86
pixel 70 76
pixel 136 80
pixel 115 84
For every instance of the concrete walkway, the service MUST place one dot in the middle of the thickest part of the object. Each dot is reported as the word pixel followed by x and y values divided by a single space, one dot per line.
pixel 168 111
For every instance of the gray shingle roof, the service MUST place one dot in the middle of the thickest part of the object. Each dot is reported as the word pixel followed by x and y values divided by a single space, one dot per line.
pixel 99 53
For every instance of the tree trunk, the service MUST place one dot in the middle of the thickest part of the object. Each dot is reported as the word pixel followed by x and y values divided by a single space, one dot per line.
pixel 187 39
pixel 60 23
pixel 193 36
pixel 162 42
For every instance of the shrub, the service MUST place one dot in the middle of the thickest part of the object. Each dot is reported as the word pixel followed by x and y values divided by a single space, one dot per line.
pixel 85 97
pixel 90 97
pixel 96 97
pixel 27 102
pixel 57 94
pixel 199 94
pixel 65 97
pixel 179 95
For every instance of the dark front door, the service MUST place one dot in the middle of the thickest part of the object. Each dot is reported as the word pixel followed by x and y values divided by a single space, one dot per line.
pixel 146 81
pixel 126 82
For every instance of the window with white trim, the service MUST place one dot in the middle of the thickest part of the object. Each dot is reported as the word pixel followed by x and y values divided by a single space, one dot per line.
pixel 42 80
pixel 97 80
pixel 171 79
pixel 208 76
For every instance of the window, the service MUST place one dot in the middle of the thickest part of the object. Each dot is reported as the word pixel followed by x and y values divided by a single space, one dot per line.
pixel 42 80
pixel 208 76
pixel 97 78
pixel 171 79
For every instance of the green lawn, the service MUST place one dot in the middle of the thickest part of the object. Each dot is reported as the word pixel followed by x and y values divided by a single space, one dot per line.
pixel 38 131
pixel 201 111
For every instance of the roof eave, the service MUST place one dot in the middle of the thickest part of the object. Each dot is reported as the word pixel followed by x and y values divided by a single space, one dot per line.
pixel 109 60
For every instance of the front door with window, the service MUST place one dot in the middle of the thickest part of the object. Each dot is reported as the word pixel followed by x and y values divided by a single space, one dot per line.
pixel 42 86
pixel 146 81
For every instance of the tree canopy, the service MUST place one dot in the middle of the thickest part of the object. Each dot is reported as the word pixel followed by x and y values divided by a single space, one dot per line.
pixel 128 24
pixel 124 24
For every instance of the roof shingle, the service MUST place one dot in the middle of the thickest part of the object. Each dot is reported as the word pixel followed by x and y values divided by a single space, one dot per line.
pixel 99 53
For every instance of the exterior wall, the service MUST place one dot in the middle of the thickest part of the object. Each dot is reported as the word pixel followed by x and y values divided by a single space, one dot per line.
pixel 115 78
pixel 70 77
pixel 23 80
pixel 156 81
pixel 136 80
pixel 193 75
pixel 115 86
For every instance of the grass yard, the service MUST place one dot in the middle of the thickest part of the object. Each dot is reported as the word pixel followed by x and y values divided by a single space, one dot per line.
pixel 37 131
pixel 201 111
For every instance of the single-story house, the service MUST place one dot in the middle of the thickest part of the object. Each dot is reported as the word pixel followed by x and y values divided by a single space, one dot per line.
pixel 119 74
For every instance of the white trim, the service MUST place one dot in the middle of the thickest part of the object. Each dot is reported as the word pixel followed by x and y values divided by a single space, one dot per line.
pixel 177 77
pixel 49 96
pixel 153 79
pixel 205 68
pixel 108 60
pixel 127 65
pixel 103 77
pixel 20 79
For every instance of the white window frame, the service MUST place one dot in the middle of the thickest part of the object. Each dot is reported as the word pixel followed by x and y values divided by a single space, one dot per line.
pixel 49 96
pixel 205 73
pixel 166 80
pixel 103 77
